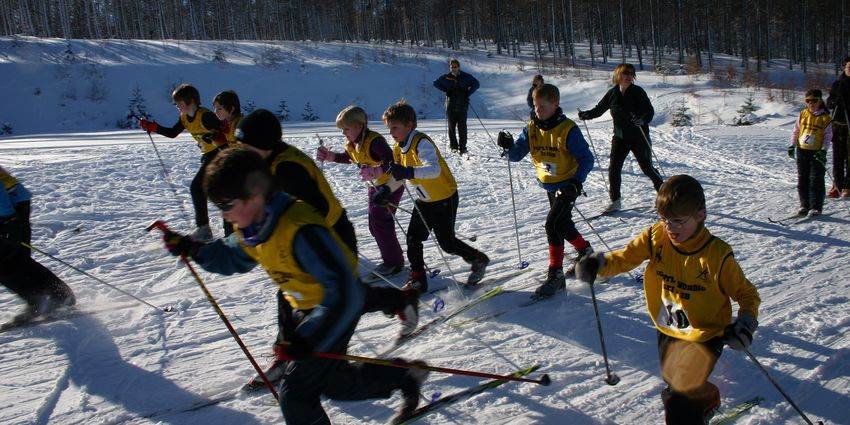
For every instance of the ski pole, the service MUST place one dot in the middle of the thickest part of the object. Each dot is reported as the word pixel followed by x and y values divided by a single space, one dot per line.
pixel 522 264
pixel 321 144
pixel 97 279
pixel 772 381
pixel 544 380
pixel 611 378
pixel 651 151
pixel 164 228
pixel 592 146
pixel 167 177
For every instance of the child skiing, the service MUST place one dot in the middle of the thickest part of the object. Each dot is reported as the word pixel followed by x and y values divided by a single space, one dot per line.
pixel 417 159
pixel 205 129
pixel 370 151
pixel 229 112
pixel 562 160
pixel 42 290
pixel 809 142
pixel 317 274
pixel 296 174
pixel 688 284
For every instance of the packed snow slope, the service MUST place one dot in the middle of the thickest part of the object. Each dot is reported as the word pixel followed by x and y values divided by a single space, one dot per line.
pixel 96 189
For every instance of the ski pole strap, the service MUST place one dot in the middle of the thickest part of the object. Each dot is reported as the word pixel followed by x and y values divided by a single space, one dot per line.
pixel 544 380
pixel 163 227
pixel 96 279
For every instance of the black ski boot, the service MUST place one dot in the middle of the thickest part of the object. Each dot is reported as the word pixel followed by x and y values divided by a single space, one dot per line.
pixel 410 392
pixel 416 280
pixel 554 282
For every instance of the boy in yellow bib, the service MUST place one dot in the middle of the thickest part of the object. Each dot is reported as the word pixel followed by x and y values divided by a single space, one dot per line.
pixel 562 161
pixel 691 278
pixel 205 129
pixel 317 274
pixel 809 142
pixel 418 160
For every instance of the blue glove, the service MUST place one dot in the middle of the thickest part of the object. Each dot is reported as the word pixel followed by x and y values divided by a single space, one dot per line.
pixel 401 172
pixel 820 156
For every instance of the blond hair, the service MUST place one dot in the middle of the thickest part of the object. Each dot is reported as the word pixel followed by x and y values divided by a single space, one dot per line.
pixel 619 70
pixel 351 115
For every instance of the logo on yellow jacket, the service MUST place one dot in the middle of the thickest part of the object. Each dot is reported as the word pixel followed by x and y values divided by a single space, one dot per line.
pixel 429 190
pixel 552 160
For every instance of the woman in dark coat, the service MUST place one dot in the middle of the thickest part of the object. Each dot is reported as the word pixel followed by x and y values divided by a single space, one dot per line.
pixel 632 112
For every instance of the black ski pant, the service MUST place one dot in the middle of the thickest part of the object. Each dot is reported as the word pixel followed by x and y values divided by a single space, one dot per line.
pixel 19 272
pixel 840 156
pixel 559 222
pixel 378 297
pixel 305 381
pixel 457 122
pixel 810 183
pixel 620 149
pixel 685 368
pixel 440 217
pixel 199 198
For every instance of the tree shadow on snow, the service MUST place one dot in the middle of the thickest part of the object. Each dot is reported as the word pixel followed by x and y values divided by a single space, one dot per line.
pixel 767 228
pixel 96 366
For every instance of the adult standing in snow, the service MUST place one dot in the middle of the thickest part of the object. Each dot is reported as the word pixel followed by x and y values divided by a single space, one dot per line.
pixel 632 112
pixel 42 290
pixel 839 103
pixel 535 83
pixel 458 86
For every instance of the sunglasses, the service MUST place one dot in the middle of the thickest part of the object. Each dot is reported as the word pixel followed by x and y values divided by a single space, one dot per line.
pixel 225 206
pixel 812 100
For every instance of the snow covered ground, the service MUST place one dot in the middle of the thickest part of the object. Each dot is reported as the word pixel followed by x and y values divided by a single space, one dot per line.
pixel 95 191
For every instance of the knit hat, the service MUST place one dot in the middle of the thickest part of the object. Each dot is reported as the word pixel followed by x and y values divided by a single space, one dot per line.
pixel 260 129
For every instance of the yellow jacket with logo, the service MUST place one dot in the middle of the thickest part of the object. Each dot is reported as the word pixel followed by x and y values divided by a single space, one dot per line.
pixel 687 286
pixel 430 189
pixel 360 155
pixel 813 131
pixel 205 137
pixel 552 161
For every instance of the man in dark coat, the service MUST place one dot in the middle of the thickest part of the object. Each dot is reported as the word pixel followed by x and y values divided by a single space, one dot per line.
pixel 838 103
pixel 458 86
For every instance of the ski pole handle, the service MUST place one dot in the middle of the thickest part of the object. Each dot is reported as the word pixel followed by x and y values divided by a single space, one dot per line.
pixel 544 380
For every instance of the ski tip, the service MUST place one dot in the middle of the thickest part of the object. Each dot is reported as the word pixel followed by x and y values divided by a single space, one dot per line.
pixel 612 379
pixel 545 380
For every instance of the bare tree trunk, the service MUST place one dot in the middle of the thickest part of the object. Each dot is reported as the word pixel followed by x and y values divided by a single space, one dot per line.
pixel 622 35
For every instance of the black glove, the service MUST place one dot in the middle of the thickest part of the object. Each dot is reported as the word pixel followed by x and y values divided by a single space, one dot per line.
pixel 571 188
pixel 638 121
pixel 381 197
pixel 739 335
pixel 820 156
pixel 584 115
pixel 179 245
pixel 505 141
pixel 11 229
pixel 291 352
pixel 588 266
pixel 791 151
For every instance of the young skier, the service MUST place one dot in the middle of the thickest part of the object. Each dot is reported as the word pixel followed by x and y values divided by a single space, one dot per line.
pixel 204 127
pixel 370 151
pixel 562 160
pixel 417 159
pixel 296 174
pixel 809 143
pixel 317 274
pixel 632 113
pixel 42 290
pixel 839 102
pixel 688 284
pixel 458 86
pixel 229 112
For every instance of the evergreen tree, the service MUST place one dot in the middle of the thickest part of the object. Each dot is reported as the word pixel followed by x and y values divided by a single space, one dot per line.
pixel 7 128
pixel 746 115
pixel 248 107
pixel 308 114
pixel 282 111
pixel 135 109
pixel 682 116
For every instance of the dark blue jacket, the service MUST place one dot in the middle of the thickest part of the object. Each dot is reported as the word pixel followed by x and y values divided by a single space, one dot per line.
pixel 457 90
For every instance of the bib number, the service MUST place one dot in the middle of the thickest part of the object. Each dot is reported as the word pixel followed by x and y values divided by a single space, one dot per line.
pixel 806 139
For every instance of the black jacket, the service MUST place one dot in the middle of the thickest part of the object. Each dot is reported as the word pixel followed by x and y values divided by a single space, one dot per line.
pixel 624 107
pixel 838 101
pixel 457 90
